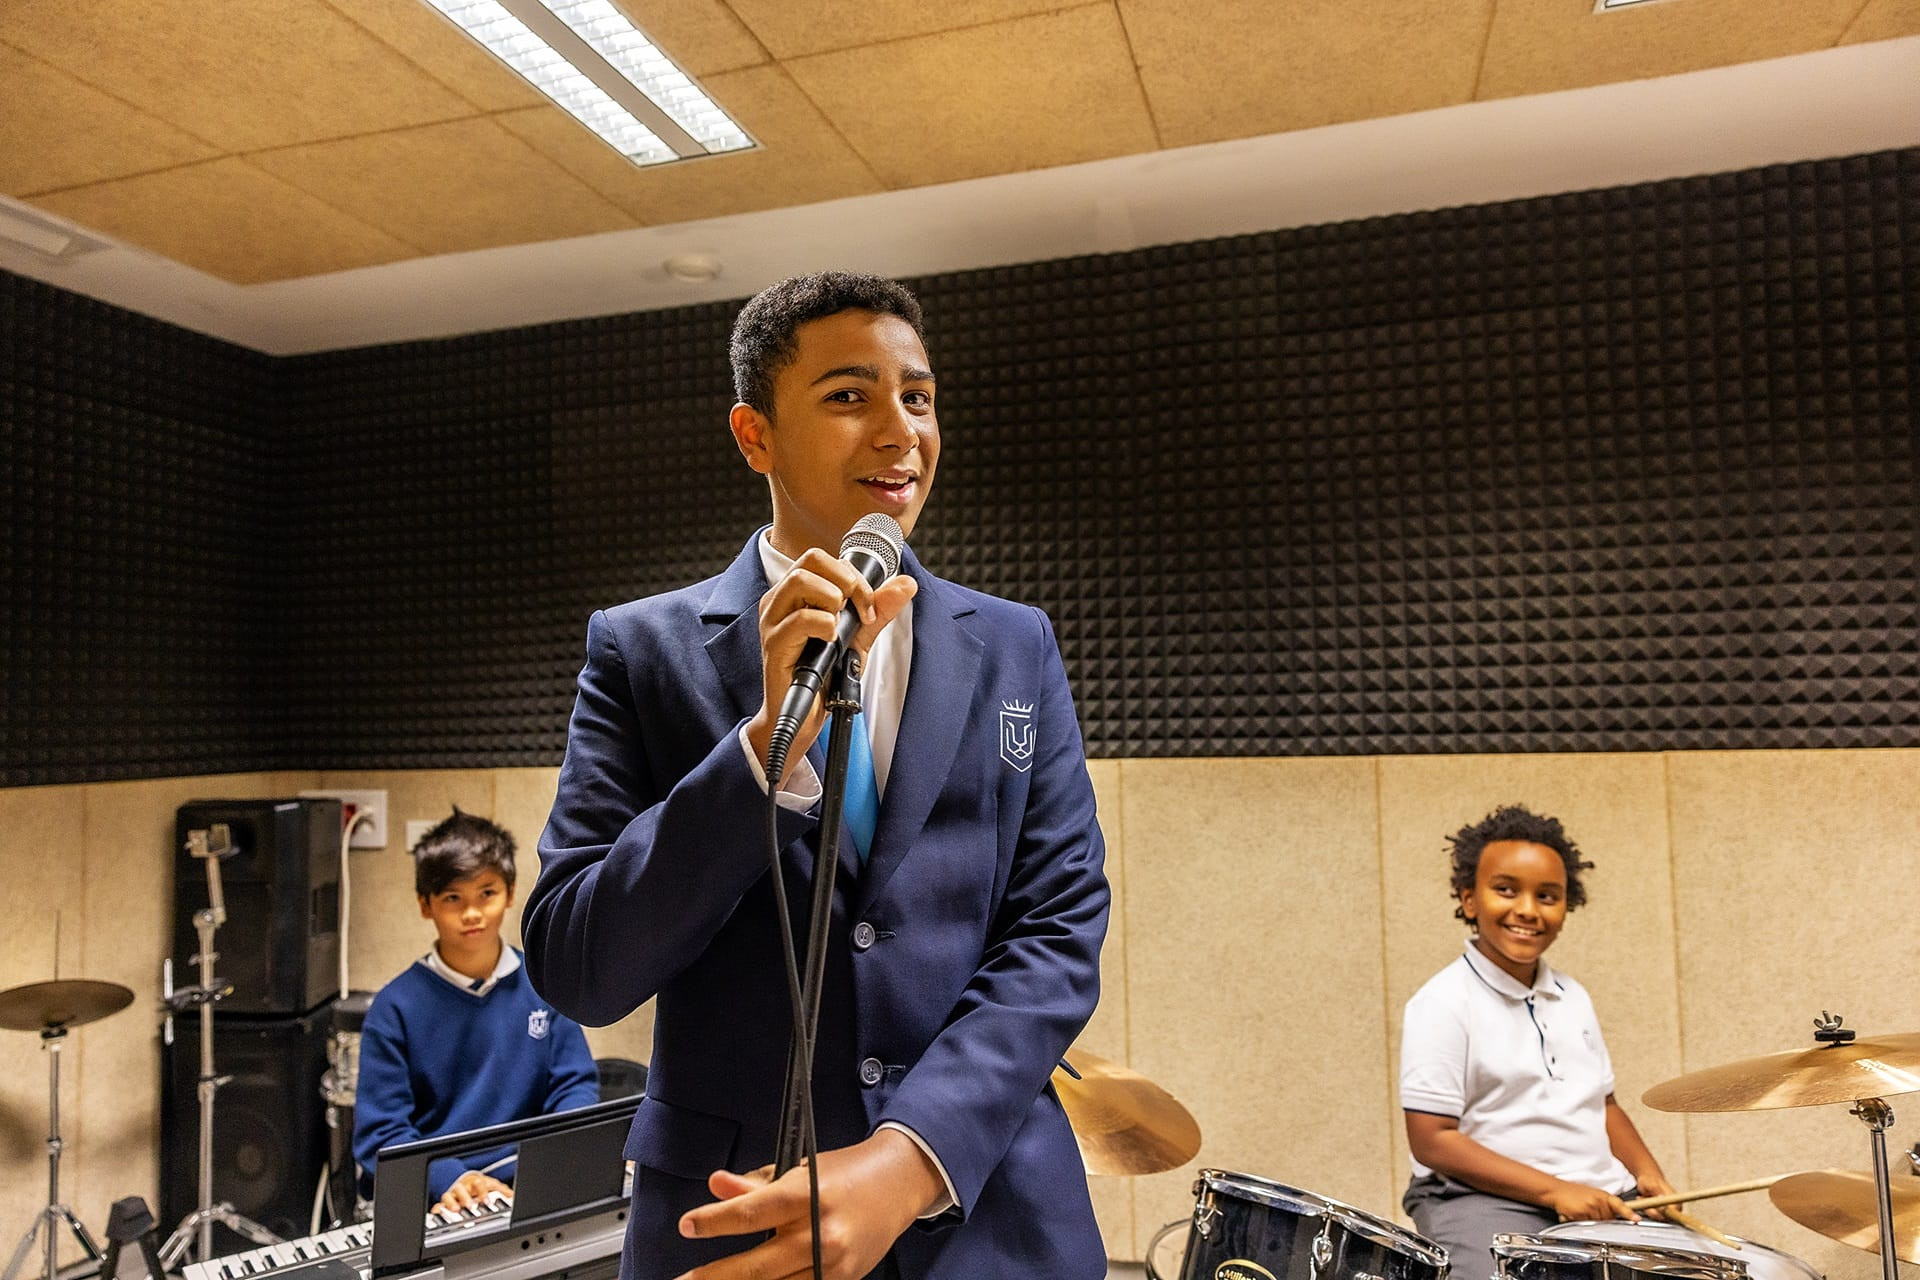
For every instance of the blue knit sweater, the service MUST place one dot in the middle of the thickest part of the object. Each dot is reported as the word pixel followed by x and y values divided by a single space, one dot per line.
pixel 435 1060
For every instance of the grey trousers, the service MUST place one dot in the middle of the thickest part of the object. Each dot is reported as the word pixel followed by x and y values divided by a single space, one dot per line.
pixel 1464 1221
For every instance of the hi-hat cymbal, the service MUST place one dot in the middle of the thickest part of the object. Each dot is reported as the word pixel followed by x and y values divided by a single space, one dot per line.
pixel 70 1002
pixel 1125 1122
pixel 1840 1204
pixel 1870 1067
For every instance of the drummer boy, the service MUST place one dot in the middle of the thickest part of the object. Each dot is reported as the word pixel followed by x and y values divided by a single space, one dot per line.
pixel 1505 1080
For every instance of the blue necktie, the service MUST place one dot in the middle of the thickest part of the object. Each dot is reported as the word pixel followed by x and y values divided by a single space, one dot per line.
pixel 861 810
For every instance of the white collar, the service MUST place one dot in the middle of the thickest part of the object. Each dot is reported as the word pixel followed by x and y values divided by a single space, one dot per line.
pixel 1544 981
pixel 503 967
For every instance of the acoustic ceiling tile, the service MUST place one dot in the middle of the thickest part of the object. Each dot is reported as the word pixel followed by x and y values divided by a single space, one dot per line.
pixel 793 30
pixel 229 219
pixel 75 134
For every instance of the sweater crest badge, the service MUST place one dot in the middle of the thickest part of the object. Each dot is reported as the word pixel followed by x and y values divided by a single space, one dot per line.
pixel 537 1024
pixel 1016 735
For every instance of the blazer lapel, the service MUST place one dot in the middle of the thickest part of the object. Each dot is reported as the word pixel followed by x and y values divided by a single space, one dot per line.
pixel 940 688
pixel 732 618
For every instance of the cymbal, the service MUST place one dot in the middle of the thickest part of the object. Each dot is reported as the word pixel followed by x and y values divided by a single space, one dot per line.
pixel 1839 1204
pixel 1125 1123
pixel 1870 1067
pixel 70 1002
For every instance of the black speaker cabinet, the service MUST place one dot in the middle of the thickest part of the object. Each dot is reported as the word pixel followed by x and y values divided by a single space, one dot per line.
pixel 280 946
pixel 269 1126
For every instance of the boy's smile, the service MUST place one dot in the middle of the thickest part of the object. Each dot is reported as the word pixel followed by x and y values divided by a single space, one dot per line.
pixel 852 431
pixel 1517 904
pixel 466 915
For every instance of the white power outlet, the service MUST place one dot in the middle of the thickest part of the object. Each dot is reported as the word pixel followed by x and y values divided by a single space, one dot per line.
pixel 371 834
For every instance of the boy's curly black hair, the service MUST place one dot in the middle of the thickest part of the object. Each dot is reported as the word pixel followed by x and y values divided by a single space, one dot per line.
pixel 460 848
pixel 1514 822
pixel 763 342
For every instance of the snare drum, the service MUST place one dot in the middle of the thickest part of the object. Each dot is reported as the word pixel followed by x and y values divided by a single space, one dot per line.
pixel 1762 1263
pixel 1518 1257
pixel 1247 1228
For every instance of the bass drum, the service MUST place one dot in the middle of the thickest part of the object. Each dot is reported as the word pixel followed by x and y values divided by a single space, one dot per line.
pixel 1248 1228
pixel 1762 1263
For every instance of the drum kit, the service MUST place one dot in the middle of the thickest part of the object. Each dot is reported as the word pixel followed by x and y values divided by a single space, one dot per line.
pixel 1250 1228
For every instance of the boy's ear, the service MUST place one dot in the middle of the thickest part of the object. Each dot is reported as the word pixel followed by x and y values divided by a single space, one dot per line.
pixel 426 906
pixel 1467 907
pixel 749 427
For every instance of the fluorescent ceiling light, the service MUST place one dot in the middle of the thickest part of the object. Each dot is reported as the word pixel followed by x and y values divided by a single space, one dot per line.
pixel 593 62
pixel 26 228
pixel 1607 6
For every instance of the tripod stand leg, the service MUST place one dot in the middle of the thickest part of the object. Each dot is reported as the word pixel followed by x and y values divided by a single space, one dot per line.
pixel 26 1244
pixel 79 1232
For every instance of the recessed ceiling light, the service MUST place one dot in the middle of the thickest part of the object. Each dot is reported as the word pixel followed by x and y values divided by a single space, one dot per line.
pixel 694 268
pixel 28 229
pixel 1607 6
pixel 599 67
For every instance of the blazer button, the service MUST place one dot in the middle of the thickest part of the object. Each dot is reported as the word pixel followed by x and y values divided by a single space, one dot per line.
pixel 862 936
pixel 871 1071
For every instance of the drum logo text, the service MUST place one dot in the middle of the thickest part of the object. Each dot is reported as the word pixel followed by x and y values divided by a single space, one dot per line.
pixel 1241 1269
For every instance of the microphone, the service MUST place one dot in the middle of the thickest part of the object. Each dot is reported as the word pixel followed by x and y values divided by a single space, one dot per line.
pixel 873 548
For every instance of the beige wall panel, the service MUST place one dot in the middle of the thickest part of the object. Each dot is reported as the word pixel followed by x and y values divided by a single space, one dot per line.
pixel 129 912
pixel 387 933
pixel 1106 1032
pixel 1796 893
pixel 237 73
pixel 1537 46
pixel 416 31
pixel 448 188
pixel 801 159
pixel 701 36
pixel 1254 978
pixel 59 132
pixel 41 837
pixel 1238 68
pixel 1620 945
pixel 230 220
pixel 1018 95
pixel 1884 20
pixel 792 30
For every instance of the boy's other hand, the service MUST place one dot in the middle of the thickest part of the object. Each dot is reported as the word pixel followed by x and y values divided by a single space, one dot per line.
pixel 1575 1203
pixel 805 605
pixel 869 1194
pixel 471 1190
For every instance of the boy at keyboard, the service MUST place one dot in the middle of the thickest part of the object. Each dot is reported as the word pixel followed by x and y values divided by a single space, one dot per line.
pixel 460 1039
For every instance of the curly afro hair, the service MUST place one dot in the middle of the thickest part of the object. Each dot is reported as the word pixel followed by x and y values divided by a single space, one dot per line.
pixel 1514 822
pixel 763 342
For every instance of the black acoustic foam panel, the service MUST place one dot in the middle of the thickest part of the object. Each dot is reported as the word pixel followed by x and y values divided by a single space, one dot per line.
pixel 1622 470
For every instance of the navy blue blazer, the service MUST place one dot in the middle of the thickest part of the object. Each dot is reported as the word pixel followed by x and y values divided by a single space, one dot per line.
pixel 980 914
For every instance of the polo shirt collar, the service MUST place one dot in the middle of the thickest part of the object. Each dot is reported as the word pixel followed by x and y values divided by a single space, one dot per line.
pixel 1544 981
pixel 503 967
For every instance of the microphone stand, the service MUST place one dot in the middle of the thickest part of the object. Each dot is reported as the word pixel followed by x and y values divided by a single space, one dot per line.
pixel 797 1138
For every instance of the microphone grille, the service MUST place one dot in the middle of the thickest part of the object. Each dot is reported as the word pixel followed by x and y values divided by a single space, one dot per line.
pixel 879 536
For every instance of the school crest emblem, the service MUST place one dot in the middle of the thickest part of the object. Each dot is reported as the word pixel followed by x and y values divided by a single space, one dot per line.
pixel 537 1023
pixel 1016 735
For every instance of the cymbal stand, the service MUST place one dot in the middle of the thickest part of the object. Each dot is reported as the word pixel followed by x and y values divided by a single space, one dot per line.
pixel 55 1213
pixel 1878 1117
pixel 196 1228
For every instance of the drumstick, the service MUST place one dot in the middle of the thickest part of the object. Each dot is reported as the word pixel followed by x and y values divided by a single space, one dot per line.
pixel 1694 1224
pixel 1705 1193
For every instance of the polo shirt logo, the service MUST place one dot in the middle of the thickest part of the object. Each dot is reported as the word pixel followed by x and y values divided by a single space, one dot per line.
pixel 537 1024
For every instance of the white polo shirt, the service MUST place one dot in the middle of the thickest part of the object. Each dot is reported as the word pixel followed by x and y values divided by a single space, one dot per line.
pixel 1524 1069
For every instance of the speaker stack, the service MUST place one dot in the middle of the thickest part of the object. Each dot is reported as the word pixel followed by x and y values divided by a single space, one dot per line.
pixel 280 948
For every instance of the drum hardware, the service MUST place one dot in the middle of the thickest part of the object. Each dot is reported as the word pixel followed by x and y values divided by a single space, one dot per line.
pixel 1757 1260
pixel 210 846
pixel 51 1009
pixel 1244 1228
pixel 1125 1123
pixel 131 1222
pixel 1842 1068
pixel 1844 1205
pixel 1546 1257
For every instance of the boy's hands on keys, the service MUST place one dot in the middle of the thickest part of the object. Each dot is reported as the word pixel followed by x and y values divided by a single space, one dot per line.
pixel 1575 1202
pixel 805 605
pixel 870 1193
pixel 472 1190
